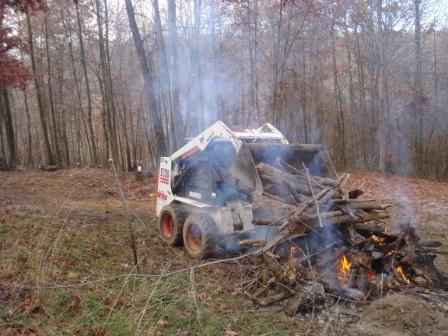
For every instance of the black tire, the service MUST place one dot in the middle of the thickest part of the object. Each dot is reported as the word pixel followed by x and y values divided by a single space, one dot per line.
pixel 201 235
pixel 171 222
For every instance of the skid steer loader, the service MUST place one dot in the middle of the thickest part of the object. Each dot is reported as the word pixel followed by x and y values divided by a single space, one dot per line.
pixel 206 189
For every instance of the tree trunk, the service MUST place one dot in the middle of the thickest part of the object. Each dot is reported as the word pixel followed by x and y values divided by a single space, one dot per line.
pixel 255 61
pixel 175 79
pixel 165 85
pixel 113 129
pixel 3 162
pixel 382 128
pixel 6 116
pixel 338 98
pixel 275 71
pixel 148 77
pixel 40 103
pixel 87 83
pixel 253 15
pixel 29 160
pixel 108 97
pixel 195 95
pixel 54 128
pixel 418 89
pixel 362 96
pixel 90 140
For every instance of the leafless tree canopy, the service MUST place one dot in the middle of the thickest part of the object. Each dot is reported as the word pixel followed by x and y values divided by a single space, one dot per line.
pixel 129 80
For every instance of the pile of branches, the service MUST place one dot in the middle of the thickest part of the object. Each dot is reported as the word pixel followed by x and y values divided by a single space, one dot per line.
pixel 330 241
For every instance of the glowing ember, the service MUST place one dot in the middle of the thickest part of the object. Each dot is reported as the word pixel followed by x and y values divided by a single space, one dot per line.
pixel 390 253
pixel 400 271
pixel 371 275
pixel 379 240
pixel 292 251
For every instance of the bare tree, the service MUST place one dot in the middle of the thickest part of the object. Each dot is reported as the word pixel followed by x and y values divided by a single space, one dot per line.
pixel 148 77
pixel 40 103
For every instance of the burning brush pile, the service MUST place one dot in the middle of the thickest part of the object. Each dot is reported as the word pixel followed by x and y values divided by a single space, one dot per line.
pixel 330 241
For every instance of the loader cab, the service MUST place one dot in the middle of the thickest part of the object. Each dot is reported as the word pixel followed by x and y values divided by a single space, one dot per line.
pixel 204 176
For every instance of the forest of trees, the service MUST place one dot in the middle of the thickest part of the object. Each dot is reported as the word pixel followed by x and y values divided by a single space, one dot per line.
pixel 82 81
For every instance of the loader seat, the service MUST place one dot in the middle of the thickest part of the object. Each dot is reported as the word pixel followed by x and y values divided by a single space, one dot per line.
pixel 207 173
pixel 221 154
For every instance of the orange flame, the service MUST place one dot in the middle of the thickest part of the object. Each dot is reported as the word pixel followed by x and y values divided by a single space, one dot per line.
pixel 344 268
pixel 400 271
pixel 345 264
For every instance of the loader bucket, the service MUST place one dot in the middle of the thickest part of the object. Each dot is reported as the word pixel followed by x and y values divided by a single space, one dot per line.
pixel 297 156
pixel 243 169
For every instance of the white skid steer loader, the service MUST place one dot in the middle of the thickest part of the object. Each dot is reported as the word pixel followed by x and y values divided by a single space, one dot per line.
pixel 206 188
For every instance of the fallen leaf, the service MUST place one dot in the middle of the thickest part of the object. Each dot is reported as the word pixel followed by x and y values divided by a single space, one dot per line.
pixel 229 332
pixel 162 323
pixel 32 305
pixel 222 307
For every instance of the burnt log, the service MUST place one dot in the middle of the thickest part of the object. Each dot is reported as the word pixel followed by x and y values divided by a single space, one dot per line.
pixel 311 297
pixel 424 266
pixel 349 293
pixel 353 194
pixel 361 204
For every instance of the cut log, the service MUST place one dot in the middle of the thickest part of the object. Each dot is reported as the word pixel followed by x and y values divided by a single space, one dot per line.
pixel 364 205
pixel 327 201
pixel 299 211
pixel 316 180
pixel 273 299
pixel 428 243
pixel 278 198
pixel 432 251
pixel 252 242
pixel 327 181
pixel 353 236
pixel 337 220
pixel 290 182
pixel 374 227
pixel 262 221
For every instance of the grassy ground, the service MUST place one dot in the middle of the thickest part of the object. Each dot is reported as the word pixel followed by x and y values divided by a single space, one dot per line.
pixel 66 266
pixel 64 236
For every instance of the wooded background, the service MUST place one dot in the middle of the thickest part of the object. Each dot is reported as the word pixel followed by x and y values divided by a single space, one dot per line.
pixel 83 81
